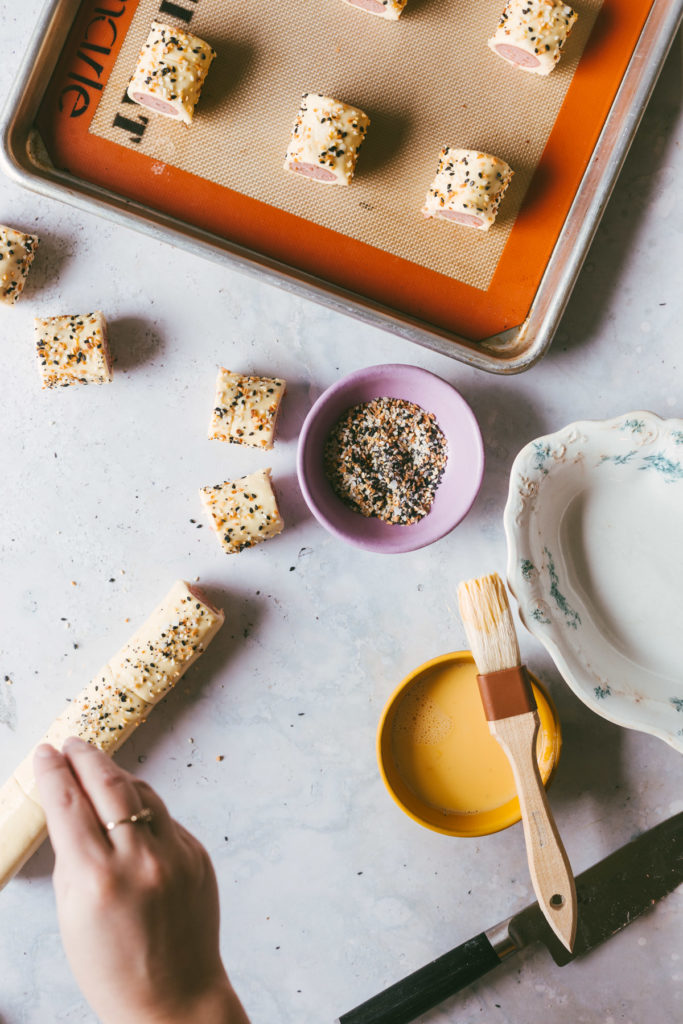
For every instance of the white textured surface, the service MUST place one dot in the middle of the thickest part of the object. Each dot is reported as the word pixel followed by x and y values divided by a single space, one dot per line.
pixel 328 892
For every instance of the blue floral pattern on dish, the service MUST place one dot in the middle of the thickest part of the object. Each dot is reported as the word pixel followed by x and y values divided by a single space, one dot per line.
pixel 527 568
pixel 666 467
pixel 619 460
pixel 543 455
pixel 635 426
pixel 643 450
pixel 572 618
pixel 670 470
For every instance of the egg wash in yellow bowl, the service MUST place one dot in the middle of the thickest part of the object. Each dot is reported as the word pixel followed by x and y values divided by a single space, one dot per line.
pixel 439 760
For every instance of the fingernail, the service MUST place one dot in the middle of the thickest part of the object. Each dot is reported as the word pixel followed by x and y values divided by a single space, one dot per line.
pixel 45 750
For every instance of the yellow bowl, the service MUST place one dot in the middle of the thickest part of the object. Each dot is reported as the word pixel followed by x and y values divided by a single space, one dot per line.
pixel 439 761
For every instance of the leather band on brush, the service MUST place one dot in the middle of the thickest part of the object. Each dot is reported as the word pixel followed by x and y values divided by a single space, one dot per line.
pixel 506 693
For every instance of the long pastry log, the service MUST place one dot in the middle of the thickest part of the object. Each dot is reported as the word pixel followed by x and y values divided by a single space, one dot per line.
pixel 110 708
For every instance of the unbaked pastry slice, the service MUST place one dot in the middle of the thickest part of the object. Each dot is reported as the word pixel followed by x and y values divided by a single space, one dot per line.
pixel 325 140
pixel 245 409
pixel 391 10
pixel 170 72
pixel 17 252
pixel 73 350
pixel 243 512
pixel 468 187
pixel 532 33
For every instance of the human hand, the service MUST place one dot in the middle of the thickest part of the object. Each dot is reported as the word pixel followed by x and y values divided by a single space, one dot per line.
pixel 137 905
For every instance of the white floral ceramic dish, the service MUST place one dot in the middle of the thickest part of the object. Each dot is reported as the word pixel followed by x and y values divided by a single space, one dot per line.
pixel 594 525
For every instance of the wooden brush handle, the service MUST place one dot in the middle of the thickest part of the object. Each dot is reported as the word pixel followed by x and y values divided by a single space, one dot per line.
pixel 551 874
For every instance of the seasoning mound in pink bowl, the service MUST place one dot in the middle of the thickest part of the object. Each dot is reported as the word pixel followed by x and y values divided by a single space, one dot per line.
pixel 458 486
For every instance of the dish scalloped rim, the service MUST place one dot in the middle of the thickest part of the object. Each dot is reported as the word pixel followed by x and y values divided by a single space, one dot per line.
pixel 633 442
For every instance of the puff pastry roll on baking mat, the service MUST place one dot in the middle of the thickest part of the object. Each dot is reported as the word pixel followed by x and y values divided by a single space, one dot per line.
pixel 112 705
pixel 426 81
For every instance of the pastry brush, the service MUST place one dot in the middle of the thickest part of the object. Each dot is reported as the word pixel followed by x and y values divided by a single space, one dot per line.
pixel 510 708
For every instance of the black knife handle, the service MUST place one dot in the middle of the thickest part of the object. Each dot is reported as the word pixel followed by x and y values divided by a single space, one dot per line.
pixel 428 986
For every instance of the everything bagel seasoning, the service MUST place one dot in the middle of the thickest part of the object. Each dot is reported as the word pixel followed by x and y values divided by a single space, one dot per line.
pixel 385 458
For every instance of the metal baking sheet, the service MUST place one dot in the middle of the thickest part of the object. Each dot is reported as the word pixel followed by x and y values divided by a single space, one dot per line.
pixel 618 74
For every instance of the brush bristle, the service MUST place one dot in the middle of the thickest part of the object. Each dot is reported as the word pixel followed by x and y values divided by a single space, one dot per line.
pixel 488 623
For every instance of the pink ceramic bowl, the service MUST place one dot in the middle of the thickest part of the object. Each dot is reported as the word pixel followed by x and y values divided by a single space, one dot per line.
pixel 461 479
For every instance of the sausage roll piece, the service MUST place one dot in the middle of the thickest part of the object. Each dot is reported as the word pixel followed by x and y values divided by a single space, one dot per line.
pixel 16 256
pixel 389 9
pixel 73 350
pixel 246 409
pixel 325 140
pixel 110 708
pixel 243 512
pixel 468 187
pixel 531 34
pixel 170 72
pixel 178 631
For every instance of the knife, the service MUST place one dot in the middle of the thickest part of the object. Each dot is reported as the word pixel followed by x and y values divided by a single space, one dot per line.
pixel 610 895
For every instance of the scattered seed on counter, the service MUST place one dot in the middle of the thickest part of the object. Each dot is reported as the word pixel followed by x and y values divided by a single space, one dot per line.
pixel 385 458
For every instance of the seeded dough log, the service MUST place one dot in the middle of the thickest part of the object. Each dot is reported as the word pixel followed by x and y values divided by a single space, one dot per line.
pixel 245 409
pixel 391 10
pixel 110 708
pixel 325 140
pixel 531 34
pixel 468 187
pixel 170 72
pixel 243 512
pixel 73 350
pixel 17 251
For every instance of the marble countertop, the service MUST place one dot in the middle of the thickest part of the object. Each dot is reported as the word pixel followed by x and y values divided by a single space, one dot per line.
pixel 266 750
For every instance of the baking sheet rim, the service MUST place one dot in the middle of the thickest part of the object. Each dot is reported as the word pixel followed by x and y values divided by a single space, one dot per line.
pixel 497 354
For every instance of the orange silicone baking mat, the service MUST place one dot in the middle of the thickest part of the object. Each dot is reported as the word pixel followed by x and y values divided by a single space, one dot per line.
pixel 425 81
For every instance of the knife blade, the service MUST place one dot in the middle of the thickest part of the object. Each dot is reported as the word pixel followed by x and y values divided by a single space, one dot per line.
pixel 610 894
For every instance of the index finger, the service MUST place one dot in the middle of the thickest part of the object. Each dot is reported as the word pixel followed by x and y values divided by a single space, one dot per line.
pixel 75 830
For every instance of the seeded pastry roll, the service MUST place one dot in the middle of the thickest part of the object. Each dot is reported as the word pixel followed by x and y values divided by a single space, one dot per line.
pixel 325 140
pixel 73 350
pixel 17 252
pixel 468 187
pixel 110 708
pixel 245 409
pixel 243 512
pixel 389 9
pixel 170 72
pixel 531 34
